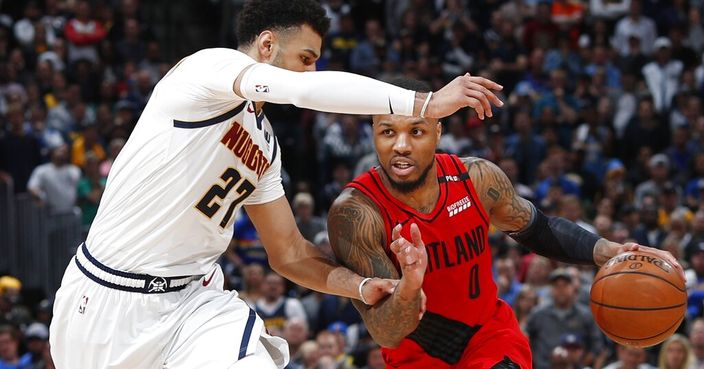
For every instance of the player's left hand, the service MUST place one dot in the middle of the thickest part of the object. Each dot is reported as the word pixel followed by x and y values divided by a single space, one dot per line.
pixel 612 249
pixel 378 288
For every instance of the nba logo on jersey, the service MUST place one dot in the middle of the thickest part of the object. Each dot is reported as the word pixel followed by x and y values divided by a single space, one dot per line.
pixel 459 206
pixel 261 88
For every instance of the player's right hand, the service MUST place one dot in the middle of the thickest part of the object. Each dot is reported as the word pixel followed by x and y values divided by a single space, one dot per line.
pixel 412 256
pixel 466 90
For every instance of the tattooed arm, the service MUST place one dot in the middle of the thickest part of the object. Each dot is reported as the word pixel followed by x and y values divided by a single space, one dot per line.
pixel 357 237
pixel 554 237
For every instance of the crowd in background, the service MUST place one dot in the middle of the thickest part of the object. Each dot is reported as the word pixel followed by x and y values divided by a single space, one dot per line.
pixel 602 125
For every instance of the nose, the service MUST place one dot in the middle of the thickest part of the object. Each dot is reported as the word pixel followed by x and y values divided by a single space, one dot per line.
pixel 402 144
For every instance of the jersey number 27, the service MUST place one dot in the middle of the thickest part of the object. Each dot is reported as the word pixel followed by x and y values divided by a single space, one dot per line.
pixel 209 205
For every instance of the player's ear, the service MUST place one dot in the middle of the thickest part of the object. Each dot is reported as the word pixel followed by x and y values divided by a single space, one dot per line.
pixel 265 44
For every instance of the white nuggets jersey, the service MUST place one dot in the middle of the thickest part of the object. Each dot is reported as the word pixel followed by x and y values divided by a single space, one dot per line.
pixel 197 154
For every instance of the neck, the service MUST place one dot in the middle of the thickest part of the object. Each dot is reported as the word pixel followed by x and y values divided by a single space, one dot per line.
pixel 423 198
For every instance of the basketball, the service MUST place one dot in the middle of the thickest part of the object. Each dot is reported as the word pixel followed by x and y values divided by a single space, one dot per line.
pixel 638 299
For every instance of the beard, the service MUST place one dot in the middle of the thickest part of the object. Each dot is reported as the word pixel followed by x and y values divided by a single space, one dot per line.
pixel 408 186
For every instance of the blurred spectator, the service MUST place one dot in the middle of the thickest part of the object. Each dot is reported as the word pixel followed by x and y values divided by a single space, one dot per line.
pixel 574 347
pixel 662 75
pixel 630 358
pixel 454 140
pixel 635 24
pixel 310 354
pixel 526 147
pixel 296 333
pixel 90 190
pixel 695 276
pixel 37 339
pixel 696 339
pixel 367 56
pixel 695 37
pixel 19 150
pixel 87 143
pixel 659 166
pixel 9 350
pixel 346 141
pixel 649 232
pixel 274 307
pixel 330 347
pixel 55 183
pixel 83 34
pixel 570 208
pixel 609 9
pixel 114 149
pixel 340 177
pixel 562 316
pixel 676 353
pixel 541 31
pixel 253 281
pixel 309 224
pixel 374 359
pixel 509 166
pixel 525 302
pixel 506 281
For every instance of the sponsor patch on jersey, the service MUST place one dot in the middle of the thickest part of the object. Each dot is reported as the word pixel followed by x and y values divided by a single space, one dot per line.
pixel 261 88
pixel 459 206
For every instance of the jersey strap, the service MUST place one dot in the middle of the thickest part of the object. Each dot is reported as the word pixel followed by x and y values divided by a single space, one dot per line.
pixel 209 122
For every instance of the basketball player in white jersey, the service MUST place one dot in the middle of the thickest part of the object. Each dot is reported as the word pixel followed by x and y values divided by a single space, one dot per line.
pixel 143 291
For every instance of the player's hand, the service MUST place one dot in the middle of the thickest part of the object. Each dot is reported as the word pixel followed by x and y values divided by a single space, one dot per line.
pixel 466 90
pixel 378 288
pixel 411 256
pixel 612 249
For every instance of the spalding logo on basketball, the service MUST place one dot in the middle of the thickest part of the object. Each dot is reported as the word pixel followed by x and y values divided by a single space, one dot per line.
pixel 638 299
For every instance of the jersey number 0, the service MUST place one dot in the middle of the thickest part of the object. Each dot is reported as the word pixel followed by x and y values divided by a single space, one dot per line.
pixel 209 205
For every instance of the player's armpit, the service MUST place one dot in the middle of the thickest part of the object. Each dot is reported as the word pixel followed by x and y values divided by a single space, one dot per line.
pixel 356 232
pixel 508 211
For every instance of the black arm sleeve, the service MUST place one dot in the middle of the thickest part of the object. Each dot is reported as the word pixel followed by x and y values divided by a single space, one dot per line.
pixel 557 238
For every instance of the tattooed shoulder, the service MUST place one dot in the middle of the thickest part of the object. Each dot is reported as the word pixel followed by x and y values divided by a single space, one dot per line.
pixel 357 236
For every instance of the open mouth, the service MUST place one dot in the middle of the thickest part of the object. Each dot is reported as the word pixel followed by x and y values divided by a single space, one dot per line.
pixel 402 168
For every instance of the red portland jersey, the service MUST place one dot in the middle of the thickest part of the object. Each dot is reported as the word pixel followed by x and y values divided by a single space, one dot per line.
pixel 459 284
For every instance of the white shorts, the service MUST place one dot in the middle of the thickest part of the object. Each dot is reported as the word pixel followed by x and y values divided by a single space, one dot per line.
pixel 199 326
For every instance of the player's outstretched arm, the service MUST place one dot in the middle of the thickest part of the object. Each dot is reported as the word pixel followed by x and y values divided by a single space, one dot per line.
pixel 300 261
pixel 342 92
pixel 357 237
pixel 553 237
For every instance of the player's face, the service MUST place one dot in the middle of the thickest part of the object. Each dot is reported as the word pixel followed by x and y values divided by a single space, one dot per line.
pixel 406 147
pixel 297 49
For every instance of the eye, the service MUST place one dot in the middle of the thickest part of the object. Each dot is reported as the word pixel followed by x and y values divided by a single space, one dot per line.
pixel 306 60
pixel 417 131
pixel 387 132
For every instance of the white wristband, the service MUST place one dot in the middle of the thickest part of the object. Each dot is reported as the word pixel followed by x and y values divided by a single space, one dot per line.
pixel 425 104
pixel 361 284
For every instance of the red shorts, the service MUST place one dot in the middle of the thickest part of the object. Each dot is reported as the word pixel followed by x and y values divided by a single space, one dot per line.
pixel 498 344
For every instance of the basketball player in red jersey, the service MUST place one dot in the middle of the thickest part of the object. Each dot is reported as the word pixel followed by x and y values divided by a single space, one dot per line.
pixel 444 204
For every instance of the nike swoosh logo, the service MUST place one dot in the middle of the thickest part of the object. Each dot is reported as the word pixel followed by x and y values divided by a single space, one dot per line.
pixel 206 281
pixel 391 109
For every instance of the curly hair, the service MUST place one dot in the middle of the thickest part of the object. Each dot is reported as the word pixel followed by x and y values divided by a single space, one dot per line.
pixel 260 15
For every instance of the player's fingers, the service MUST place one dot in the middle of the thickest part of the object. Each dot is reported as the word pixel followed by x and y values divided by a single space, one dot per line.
pixel 492 98
pixel 396 245
pixel 396 232
pixel 471 91
pixel 486 83
pixel 416 237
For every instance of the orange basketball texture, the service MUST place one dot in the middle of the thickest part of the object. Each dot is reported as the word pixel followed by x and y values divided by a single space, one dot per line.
pixel 638 299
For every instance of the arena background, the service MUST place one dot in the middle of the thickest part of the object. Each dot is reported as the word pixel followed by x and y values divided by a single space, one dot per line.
pixel 603 125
